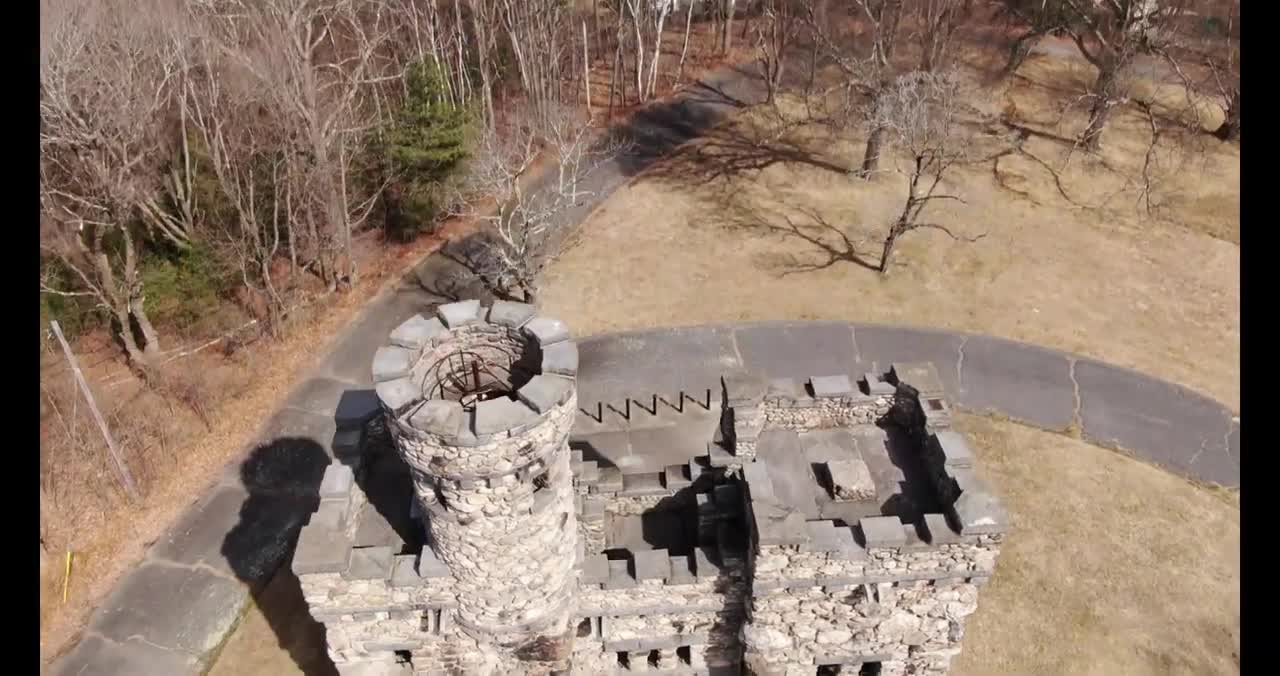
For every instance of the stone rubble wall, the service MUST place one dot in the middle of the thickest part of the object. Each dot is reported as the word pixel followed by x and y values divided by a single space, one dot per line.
pixel 512 568
pixel 916 624
pixel 789 565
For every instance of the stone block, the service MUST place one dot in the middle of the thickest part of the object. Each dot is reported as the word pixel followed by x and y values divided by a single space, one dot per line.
pixel 978 512
pixel 851 480
pixel 320 549
pixel 595 569
pixel 438 416
pixel 620 576
pixel 920 375
pixel 706 563
pixel 544 392
pixel 355 408
pixel 674 477
pixel 593 509
pixel 507 313
pixel 460 313
pixel 398 394
pixel 641 484
pixel 500 415
pixel 681 571
pixel 430 565
pixel 560 358
pixel 759 485
pixel 654 564
pixel 547 331
pixel 391 362
pixel 404 571
pixel 744 388
pixel 954 449
pixel 348 443
pixel 831 386
pixel 939 531
pixel 777 525
pixel 417 332
pixel 785 390
pixel 728 498
pixel 718 455
pixel 877 387
pixel 937 412
pixel 589 472
pixel 332 514
pixel 610 480
pixel 370 563
pixel 337 482
pixel 882 531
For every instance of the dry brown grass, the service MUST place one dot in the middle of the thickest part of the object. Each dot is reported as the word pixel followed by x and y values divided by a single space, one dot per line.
pixel 1113 566
pixel 1155 293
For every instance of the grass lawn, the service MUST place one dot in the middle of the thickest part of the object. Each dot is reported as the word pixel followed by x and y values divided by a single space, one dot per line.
pixel 1156 293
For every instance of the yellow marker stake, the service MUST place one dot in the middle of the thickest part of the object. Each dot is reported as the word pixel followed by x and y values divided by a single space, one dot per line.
pixel 66 577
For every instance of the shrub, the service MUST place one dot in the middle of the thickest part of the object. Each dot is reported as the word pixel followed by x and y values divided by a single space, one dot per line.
pixel 425 144
pixel 183 286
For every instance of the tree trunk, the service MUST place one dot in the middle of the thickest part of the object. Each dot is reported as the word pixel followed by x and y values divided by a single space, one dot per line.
pixel 1104 100
pixel 726 40
pixel 1019 51
pixel 1229 130
pixel 886 253
pixel 684 50
pixel 151 340
pixel 871 159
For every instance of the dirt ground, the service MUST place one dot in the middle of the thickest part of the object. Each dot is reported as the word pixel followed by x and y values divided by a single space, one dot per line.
pixel 1113 567
pixel 708 239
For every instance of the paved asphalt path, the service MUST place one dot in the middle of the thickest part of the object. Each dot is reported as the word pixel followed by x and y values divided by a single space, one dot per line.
pixel 169 616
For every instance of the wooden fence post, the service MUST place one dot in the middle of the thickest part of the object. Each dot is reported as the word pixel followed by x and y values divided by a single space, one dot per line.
pixel 126 478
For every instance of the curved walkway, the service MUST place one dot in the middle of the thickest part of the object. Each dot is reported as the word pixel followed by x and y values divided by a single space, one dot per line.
pixel 1153 419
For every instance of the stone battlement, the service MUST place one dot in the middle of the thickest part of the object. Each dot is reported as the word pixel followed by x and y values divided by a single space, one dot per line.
pixel 836 521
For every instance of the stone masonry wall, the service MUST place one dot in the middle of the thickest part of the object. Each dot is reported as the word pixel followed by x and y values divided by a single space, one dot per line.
pixel 881 590
pixel 911 623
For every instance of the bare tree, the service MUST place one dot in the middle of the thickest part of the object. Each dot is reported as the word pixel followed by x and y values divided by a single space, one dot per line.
pixel 774 36
pixel 107 78
pixel 316 60
pixel 1110 34
pixel 528 228
pixel 939 20
pixel 920 114
pixel 1039 18
pixel 247 155
pixel 865 76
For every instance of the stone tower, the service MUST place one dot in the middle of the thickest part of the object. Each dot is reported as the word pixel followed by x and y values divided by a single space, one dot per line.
pixel 480 402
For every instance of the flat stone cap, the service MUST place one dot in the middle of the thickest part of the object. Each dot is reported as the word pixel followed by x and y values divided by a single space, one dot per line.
pixel 831 386
pixel 513 315
pixel 744 388
pixel 978 512
pixel 955 450
pixel 883 531
pixel 460 313
pixel 851 480
pixel 654 564
pixel 417 332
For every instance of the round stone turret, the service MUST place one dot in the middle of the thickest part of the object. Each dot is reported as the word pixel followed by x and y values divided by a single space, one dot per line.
pixel 480 402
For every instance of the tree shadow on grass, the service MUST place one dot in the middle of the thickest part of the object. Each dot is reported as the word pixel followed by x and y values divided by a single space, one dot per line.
pixel 824 243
